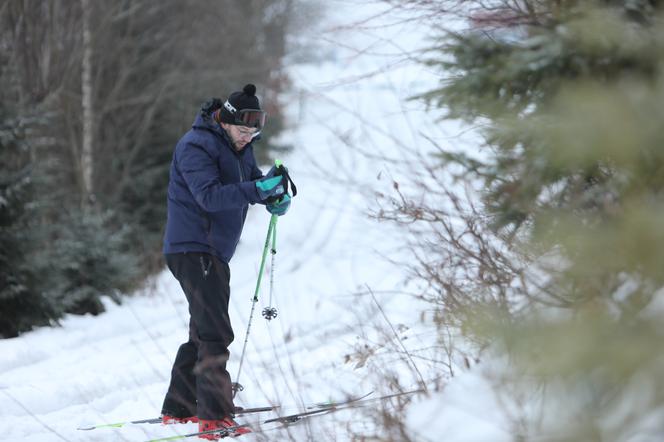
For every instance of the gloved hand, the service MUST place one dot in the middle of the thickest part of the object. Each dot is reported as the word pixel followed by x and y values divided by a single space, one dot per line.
pixel 279 207
pixel 270 186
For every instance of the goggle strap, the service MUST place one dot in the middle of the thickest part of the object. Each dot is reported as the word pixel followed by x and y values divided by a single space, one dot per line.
pixel 230 107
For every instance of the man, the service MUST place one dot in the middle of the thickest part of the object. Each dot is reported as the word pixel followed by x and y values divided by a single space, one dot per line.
pixel 213 179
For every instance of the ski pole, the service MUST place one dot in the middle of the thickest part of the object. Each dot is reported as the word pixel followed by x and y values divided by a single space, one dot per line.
pixel 273 222
pixel 271 235
pixel 270 312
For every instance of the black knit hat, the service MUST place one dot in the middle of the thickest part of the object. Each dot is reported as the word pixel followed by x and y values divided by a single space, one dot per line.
pixel 237 102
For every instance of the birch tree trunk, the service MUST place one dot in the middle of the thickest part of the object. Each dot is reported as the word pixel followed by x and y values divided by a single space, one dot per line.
pixel 86 97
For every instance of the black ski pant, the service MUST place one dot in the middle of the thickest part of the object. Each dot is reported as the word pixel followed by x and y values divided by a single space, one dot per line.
pixel 200 384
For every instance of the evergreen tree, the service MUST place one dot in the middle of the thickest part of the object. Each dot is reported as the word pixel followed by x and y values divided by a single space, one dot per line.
pixel 559 267
pixel 22 304
pixel 86 260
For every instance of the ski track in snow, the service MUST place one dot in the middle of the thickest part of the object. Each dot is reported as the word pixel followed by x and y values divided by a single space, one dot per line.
pixel 116 367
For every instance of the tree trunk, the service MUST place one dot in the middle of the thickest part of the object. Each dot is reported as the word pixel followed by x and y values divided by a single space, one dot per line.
pixel 88 117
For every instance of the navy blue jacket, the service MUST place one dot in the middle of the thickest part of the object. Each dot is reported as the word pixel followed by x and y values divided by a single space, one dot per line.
pixel 209 191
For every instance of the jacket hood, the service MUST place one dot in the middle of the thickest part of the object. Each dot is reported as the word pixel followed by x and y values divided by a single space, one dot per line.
pixel 205 121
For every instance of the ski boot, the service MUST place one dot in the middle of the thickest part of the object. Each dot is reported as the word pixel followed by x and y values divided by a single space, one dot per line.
pixel 167 419
pixel 233 428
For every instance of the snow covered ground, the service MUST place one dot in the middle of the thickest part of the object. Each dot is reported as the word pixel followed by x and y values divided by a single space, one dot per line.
pixel 116 367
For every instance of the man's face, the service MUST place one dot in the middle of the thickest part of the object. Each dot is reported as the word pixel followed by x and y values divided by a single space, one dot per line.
pixel 240 135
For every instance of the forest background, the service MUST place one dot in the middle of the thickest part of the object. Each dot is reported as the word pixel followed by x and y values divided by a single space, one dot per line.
pixel 93 98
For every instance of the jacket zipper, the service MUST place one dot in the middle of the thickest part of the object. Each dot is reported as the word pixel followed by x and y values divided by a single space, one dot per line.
pixel 239 161
pixel 205 268
pixel 239 168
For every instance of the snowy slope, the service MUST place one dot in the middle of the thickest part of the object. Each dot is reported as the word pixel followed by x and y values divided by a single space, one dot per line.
pixel 114 367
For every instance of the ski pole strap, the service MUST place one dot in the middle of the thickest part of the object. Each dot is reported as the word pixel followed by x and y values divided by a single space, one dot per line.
pixel 281 170
pixel 288 180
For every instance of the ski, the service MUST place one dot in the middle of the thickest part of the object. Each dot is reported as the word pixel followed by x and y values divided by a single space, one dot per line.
pixel 322 407
pixel 319 408
pixel 157 420
pixel 292 418
pixel 334 403
pixel 314 409
pixel 223 432
pixel 329 408
pixel 238 411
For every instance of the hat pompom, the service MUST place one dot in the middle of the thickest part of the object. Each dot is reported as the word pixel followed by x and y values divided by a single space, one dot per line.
pixel 249 90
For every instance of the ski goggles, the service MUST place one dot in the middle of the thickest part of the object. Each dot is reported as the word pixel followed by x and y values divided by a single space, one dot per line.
pixel 247 117
pixel 251 118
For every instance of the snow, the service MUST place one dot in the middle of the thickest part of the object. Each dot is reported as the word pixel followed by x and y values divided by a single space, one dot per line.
pixel 467 411
pixel 331 258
